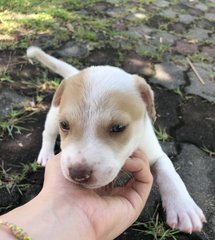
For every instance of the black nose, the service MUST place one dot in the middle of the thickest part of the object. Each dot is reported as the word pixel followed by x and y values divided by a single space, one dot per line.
pixel 80 173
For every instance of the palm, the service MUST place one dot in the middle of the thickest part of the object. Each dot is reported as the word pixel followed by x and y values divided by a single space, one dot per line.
pixel 104 212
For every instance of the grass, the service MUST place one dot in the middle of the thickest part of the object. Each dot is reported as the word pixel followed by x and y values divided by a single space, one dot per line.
pixel 14 180
pixel 162 134
pixel 6 208
pixel 46 84
pixel 178 92
pixel 9 128
pixel 151 51
pixel 4 76
pixel 156 228
pixel 16 117
pixel 24 21
pixel 12 124
pixel 208 151
pixel 212 75
pixel 201 57
pixel 43 84
pixel 86 34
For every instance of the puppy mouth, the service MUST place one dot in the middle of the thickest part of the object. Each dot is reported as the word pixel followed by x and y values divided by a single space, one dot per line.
pixel 91 186
pixel 91 183
pixel 90 177
pixel 87 184
pixel 120 180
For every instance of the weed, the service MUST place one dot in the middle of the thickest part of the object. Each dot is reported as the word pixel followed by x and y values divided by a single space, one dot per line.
pixel 23 21
pixel 156 228
pixel 12 180
pixel 188 97
pixel 85 34
pixel 44 84
pixel 212 75
pixel 162 27
pixel 8 180
pixel 3 209
pixel 179 92
pixel 162 134
pixel 28 168
pixel 75 62
pixel 147 51
pixel 12 124
pixel 163 48
pixel 200 57
pixel 153 52
pixel 147 1
pixel 5 77
pixel 210 152
pixel 9 127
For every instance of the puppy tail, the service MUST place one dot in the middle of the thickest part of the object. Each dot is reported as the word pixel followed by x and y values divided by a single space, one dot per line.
pixel 63 69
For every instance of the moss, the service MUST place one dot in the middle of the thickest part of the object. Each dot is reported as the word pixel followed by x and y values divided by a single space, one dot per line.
pixel 23 21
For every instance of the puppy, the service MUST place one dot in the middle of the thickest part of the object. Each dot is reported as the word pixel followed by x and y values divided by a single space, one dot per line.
pixel 103 115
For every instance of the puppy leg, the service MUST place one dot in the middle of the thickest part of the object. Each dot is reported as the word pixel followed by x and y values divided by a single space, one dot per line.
pixel 49 136
pixel 181 210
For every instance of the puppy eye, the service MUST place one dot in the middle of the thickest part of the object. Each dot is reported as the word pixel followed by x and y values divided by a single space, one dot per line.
pixel 117 128
pixel 64 125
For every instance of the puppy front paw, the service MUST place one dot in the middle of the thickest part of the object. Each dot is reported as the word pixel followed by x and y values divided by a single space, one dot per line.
pixel 184 214
pixel 44 156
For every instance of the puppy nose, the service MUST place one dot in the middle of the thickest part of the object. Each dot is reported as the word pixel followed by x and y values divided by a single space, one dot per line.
pixel 80 173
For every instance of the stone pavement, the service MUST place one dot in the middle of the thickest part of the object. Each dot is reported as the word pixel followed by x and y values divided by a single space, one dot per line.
pixel 166 33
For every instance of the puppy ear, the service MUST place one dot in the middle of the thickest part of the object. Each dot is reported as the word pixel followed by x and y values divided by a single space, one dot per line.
pixel 147 95
pixel 58 94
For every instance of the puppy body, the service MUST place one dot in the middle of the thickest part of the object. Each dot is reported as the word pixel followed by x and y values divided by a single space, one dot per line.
pixel 103 114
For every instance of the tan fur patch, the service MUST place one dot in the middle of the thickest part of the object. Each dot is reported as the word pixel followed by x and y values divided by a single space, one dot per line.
pixel 119 108
pixel 72 107
pixel 147 95
pixel 57 96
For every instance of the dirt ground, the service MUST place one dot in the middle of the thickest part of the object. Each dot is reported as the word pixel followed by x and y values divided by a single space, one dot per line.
pixel 184 117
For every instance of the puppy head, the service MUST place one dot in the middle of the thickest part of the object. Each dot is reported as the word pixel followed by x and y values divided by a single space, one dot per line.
pixel 101 121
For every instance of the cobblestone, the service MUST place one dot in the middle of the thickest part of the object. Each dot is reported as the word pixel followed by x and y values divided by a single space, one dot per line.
pixel 168 75
pixel 206 91
pixel 153 40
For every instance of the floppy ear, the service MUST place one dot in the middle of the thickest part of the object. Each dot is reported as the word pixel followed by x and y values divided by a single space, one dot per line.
pixel 147 95
pixel 58 94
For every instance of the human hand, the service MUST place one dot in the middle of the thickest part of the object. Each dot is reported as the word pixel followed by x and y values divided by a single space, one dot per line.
pixel 105 216
pixel 64 210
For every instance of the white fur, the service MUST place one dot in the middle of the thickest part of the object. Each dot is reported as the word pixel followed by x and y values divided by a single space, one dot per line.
pixel 63 69
pixel 93 152
pixel 49 136
pixel 182 212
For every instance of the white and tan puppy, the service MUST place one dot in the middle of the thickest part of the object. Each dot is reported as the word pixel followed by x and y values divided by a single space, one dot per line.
pixel 103 115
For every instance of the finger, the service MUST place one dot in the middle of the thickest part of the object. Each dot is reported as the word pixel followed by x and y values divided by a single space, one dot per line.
pixel 53 165
pixel 138 165
pixel 53 174
pixel 137 190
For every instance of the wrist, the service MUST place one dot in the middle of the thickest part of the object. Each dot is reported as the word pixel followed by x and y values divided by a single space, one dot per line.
pixel 48 218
